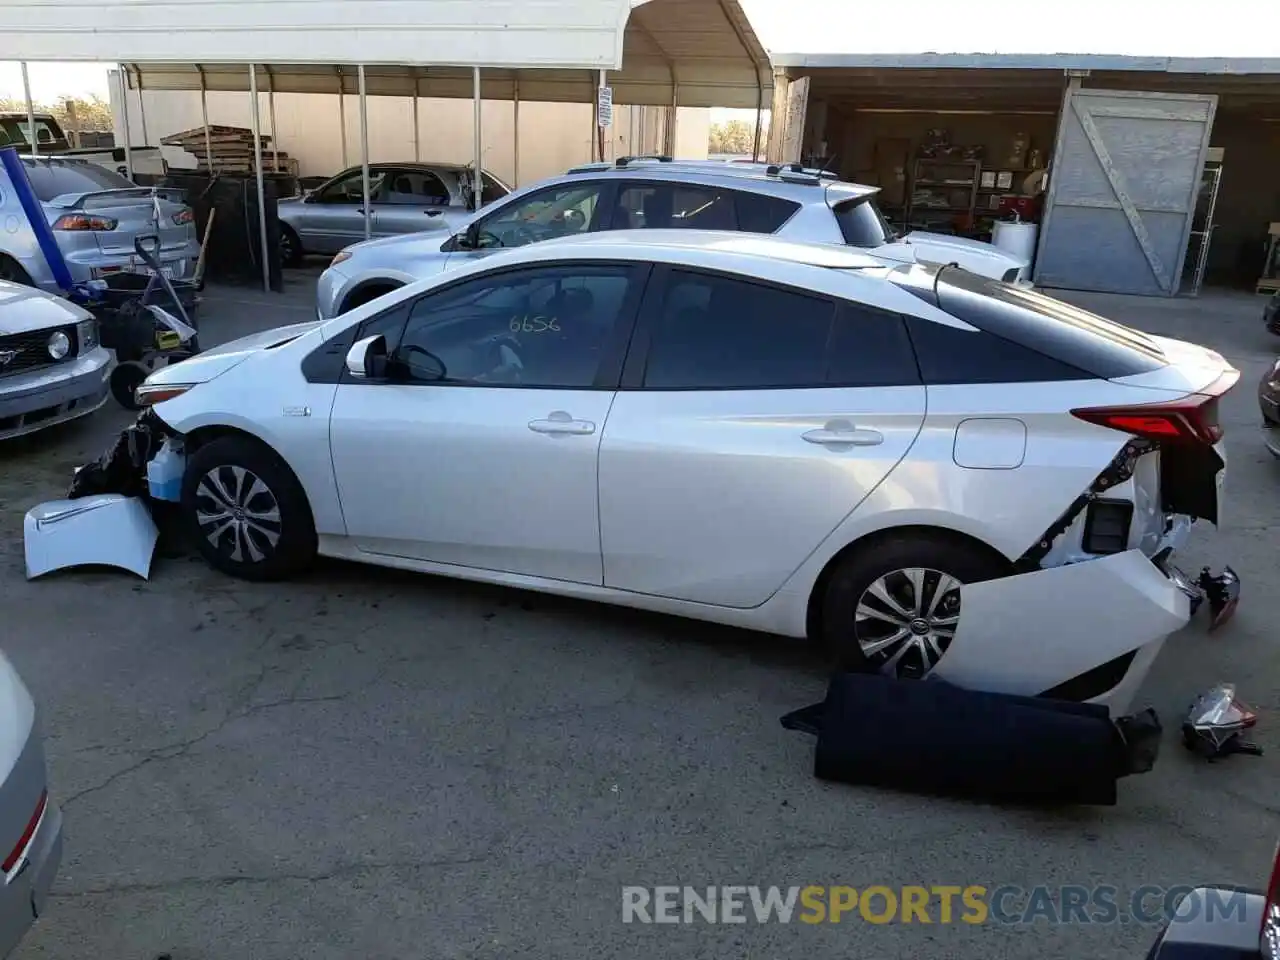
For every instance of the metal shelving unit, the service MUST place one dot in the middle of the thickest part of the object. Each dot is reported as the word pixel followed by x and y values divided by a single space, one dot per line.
pixel 943 178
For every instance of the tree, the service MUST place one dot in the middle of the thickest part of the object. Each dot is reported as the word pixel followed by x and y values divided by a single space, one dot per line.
pixel 92 112
pixel 733 137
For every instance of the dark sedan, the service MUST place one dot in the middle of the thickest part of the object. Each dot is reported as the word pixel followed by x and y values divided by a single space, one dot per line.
pixel 1269 401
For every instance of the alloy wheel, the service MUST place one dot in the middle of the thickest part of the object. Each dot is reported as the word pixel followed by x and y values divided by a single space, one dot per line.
pixel 287 253
pixel 905 620
pixel 238 514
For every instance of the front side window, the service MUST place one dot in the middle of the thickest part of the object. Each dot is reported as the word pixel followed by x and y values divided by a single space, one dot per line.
pixel 420 188
pixel 493 190
pixel 545 215
pixel 349 188
pixel 543 327
pixel 719 333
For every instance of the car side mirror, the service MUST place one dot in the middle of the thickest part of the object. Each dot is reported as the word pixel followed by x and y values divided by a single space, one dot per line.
pixel 471 238
pixel 367 358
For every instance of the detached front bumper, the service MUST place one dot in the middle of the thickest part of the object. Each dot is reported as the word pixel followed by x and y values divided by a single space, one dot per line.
pixel 56 394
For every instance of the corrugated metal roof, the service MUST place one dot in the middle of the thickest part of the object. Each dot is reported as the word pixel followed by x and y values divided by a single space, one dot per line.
pixel 699 53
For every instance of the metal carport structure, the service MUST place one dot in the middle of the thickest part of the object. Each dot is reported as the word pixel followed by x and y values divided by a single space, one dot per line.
pixel 672 53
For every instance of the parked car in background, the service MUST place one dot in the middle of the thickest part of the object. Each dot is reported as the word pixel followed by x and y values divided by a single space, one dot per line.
pixel 1271 313
pixel 52 368
pixel 405 198
pixel 51 140
pixel 645 193
pixel 1269 402
pixel 30 820
pixel 795 438
pixel 95 215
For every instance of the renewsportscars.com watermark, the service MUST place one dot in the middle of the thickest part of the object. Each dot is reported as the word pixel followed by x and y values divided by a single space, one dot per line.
pixel 973 904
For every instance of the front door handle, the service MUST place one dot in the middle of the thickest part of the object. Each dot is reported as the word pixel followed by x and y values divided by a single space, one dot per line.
pixel 562 424
pixel 842 433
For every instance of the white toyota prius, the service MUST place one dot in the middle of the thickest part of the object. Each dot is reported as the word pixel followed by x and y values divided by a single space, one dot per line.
pixel 928 470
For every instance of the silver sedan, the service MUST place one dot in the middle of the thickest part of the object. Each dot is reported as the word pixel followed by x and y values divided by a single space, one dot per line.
pixel 404 198
pixel 30 821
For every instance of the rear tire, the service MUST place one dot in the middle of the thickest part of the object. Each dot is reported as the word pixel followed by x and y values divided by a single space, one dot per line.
pixel 893 607
pixel 246 512
pixel 12 271
pixel 290 247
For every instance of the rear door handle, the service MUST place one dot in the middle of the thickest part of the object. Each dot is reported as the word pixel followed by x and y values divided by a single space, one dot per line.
pixel 562 424
pixel 842 433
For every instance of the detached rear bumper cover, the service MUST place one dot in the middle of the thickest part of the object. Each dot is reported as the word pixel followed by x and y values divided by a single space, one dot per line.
pixel 1033 633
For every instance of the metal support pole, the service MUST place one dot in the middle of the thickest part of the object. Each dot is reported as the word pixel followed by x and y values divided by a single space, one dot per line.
pixel 342 115
pixel 477 177
pixel 515 131
pixel 31 113
pixel 204 117
pixel 142 107
pixel 671 121
pixel 124 120
pixel 364 154
pixel 417 141
pixel 271 114
pixel 600 130
pixel 262 190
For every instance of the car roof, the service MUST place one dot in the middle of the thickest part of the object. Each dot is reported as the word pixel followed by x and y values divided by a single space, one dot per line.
pixel 667 244
pixel 788 180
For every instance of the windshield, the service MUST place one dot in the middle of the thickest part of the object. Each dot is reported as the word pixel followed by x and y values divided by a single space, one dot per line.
pixel 862 224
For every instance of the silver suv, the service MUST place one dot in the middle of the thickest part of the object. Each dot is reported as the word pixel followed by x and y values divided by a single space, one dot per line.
pixel 655 192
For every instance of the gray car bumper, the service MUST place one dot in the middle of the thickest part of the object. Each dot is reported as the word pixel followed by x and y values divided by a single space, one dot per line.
pixel 42 398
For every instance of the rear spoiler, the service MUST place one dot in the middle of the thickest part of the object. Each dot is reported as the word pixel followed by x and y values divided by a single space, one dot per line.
pixel 79 201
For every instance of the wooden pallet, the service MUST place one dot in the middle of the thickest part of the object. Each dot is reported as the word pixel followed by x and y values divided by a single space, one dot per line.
pixel 1268 285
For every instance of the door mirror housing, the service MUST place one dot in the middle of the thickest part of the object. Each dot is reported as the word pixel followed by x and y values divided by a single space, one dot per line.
pixel 367 358
pixel 471 237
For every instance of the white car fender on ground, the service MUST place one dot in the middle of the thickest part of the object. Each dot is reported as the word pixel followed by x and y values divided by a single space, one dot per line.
pixel 1029 633
pixel 104 530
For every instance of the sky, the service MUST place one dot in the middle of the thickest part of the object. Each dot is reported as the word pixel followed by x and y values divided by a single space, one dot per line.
pixel 1130 27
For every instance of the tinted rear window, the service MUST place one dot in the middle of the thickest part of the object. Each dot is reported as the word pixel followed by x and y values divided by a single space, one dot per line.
pixel 861 223
pixel 1055 329
pixel 51 179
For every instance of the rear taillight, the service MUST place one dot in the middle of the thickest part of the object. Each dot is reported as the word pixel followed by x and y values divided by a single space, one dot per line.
pixel 1190 419
pixel 1269 936
pixel 183 217
pixel 79 221
pixel 16 853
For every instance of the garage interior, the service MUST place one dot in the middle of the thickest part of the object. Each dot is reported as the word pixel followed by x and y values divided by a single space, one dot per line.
pixel 957 149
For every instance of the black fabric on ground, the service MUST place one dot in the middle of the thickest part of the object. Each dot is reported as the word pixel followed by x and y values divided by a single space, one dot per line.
pixel 933 737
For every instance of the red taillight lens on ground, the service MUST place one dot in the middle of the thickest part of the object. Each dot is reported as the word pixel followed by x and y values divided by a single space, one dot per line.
pixel 79 221
pixel 183 217
pixel 16 853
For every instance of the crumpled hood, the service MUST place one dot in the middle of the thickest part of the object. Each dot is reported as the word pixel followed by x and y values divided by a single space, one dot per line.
pixel 23 309
pixel 215 361
pixel 973 255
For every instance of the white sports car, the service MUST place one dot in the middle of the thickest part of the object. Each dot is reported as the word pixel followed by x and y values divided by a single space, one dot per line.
pixel 929 470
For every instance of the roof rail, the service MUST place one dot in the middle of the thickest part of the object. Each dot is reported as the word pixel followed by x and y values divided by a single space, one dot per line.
pixel 655 158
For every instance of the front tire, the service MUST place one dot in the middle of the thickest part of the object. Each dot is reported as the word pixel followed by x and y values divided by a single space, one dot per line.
pixel 124 380
pixel 290 247
pixel 246 512
pixel 893 608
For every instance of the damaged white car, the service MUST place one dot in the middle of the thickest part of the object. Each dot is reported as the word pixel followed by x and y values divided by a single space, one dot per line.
pixel 928 470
